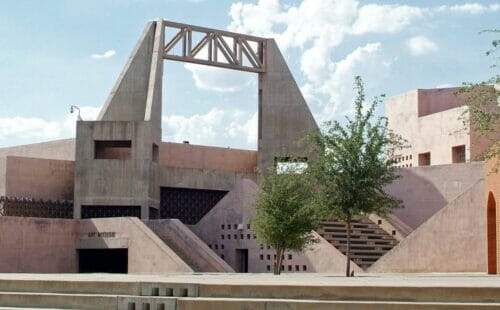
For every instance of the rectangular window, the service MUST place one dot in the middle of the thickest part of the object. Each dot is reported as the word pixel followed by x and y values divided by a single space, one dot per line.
pixel 424 159
pixel 458 154
pixel 290 165
pixel 113 149
pixel 156 153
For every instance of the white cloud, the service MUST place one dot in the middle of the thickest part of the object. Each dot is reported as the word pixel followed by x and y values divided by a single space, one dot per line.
pixel 420 45
pixel 445 85
pixel 105 55
pixel 216 127
pixel 218 79
pixel 470 8
pixel 33 129
pixel 28 128
pixel 375 18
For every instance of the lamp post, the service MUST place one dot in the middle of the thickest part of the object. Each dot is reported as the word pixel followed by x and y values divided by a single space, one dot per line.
pixel 73 108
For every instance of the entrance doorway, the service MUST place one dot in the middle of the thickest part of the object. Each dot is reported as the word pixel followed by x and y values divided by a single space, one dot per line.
pixel 242 260
pixel 491 234
pixel 103 260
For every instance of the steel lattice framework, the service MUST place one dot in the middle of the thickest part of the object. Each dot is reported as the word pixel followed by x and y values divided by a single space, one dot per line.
pixel 215 48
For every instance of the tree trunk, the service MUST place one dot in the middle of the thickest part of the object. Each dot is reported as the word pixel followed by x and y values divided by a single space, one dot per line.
pixel 278 261
pixel 348 268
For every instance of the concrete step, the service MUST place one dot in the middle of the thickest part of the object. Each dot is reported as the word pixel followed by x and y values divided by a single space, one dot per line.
pixel 270 304
pixel 84 301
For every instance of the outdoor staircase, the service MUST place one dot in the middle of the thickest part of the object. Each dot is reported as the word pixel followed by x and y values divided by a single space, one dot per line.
pixel 368 241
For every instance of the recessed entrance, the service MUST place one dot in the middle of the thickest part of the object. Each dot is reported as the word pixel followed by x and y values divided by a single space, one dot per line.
pixel 242 260
pixel 491 216
pixel 103 260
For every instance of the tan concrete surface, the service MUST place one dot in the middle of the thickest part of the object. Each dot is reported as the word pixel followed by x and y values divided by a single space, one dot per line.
pixel 426 190
pixel 39 178
pixel 191 156
pixel 450 241
pixel 57 149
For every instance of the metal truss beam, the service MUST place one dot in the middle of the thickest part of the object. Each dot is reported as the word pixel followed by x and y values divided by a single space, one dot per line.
pixel 215 48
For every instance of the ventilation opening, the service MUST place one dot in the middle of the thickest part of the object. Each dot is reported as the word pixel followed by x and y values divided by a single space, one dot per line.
pixel 103 260
pixel 156 153
pixel 113 149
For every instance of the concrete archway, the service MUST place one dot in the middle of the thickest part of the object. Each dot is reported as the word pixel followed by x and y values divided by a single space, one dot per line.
pixel 491 231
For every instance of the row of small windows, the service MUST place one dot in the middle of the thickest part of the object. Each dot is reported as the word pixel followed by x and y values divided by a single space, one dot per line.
pixel 268 256
pixel 216 246
pixel 403 158
pixel 289 268
pixel 242 236
pixel 235 226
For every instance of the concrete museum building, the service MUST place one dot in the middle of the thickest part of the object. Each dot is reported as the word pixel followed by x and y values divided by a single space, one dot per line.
pixel 118 199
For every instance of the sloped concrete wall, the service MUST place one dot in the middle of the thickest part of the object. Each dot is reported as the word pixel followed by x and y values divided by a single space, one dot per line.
pixel 226 229
pixel 188 246
pixel 426 190
pixel 57 149
pixel 147 253
pixel 453 240
pixel 39 178
pixel 37 245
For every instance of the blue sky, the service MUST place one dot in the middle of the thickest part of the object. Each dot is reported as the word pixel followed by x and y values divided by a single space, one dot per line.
pixel 60 53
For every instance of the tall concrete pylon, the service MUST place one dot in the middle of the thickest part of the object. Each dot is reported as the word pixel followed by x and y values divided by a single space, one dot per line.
pixel 284 117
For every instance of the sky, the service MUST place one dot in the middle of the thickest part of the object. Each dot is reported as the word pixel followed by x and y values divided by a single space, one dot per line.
pixel 58 53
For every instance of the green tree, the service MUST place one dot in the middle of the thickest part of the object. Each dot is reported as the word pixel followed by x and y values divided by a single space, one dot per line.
pixel 285 215
pixel 353 163
pixel 480 100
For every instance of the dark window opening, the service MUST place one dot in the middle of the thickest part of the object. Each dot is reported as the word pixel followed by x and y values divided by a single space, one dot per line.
pixel 458 154
pixel 110 211
pixel 290 165
pixel 113 149
pixel 424 159
pixel 103 260
pixel 154 214
pixel 156 153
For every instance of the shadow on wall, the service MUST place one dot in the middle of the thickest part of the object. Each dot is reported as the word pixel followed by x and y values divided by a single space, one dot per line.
pixel 421 198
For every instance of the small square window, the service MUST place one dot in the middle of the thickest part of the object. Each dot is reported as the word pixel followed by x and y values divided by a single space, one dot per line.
pixel 216 247
pixel 261 257
pixel 222 247
pixel 458 154
pixel 297 268
pixel 289 267
pixel 228 236
pixel 268 268
pixel 268 256
pixel 304 268
pixel 222 226
pixel 289 256
pixel 222 237
pixel 248 236
pixel 424 159
pixel 248 226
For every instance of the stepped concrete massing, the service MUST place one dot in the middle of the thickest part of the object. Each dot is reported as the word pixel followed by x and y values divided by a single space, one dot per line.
pixel 118 199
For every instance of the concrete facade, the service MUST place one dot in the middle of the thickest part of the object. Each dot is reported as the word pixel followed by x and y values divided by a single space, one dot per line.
pixel 431 121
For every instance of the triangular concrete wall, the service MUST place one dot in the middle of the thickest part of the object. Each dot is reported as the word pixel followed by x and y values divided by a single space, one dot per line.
pixel 127 100
pixel 452 240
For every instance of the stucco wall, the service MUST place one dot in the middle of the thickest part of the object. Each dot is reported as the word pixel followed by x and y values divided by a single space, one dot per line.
pixel 438 99
pixel 182 155
pixel 436 133
pixel 37 245
pixel 39 178
pixel 226 228
pixel 57 149
pixel 425 190
pixel 451 241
